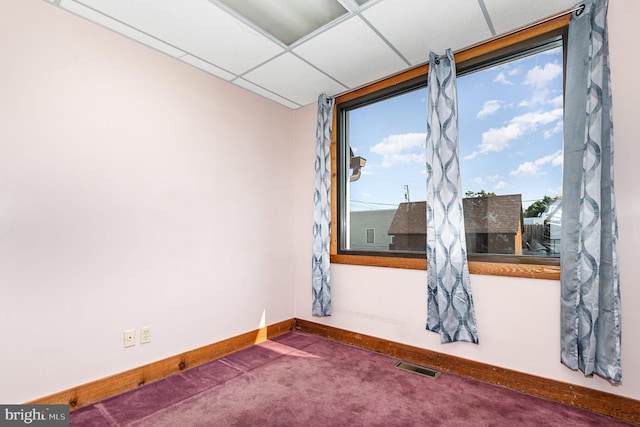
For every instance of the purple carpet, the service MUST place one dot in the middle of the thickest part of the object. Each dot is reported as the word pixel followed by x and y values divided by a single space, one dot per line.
pixel 298 379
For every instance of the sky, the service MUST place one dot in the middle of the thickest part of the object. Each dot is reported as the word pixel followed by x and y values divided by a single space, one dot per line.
pixel 510 136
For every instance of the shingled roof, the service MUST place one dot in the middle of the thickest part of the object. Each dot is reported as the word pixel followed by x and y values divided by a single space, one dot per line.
pixel 410 218
pixel 494 214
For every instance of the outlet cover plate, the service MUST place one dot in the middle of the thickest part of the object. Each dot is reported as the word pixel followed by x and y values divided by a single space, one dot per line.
pixel 130 338
pixel 145 335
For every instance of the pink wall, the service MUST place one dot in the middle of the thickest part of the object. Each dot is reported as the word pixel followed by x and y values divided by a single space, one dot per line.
pixel 518 319
pixel 134 191
pixel 137 191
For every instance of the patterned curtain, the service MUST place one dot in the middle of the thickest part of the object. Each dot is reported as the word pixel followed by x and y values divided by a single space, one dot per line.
pixel 450 305
pixel 322 210
pixel 590 323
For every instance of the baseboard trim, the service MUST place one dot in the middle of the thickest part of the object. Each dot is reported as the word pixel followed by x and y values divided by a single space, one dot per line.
pixel 608 404
pixel 95 391
pixel 600 402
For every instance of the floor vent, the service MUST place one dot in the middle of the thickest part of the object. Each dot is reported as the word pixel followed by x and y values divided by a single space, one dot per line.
pixel 418 369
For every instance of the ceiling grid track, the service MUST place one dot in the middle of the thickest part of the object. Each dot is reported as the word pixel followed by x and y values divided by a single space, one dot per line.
pixel 487 18
pixel 384 39
pixel 347 44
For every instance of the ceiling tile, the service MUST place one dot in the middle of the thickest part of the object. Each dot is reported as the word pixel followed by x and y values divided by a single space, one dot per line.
pixel 506 18
pixel 260 91
pixel 119 27
pixel 416 27
pixel 347 51
pixel 198 27
pixel 293 79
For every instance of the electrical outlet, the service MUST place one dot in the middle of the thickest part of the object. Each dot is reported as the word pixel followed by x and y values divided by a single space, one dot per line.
pixel 130 338
pixel 145 335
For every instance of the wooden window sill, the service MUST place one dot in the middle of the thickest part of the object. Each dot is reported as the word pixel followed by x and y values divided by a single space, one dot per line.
pixel 531 271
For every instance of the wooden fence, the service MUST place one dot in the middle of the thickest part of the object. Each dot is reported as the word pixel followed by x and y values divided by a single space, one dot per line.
pixel 533 232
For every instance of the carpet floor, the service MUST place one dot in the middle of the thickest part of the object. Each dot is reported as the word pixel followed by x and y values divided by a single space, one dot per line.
pixel 299 379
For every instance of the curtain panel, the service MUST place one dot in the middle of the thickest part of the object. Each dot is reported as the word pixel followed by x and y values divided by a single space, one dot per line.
pixel 590 288
pixel 321 263
pixel 450 304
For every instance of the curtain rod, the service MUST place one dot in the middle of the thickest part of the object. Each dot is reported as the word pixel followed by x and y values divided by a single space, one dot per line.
pixel 579 9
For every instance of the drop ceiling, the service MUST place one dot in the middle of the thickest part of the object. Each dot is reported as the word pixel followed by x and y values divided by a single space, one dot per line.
pixel 290 51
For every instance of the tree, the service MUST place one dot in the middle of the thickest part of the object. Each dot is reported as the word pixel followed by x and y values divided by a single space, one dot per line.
pixel 481 193
pixel 538 207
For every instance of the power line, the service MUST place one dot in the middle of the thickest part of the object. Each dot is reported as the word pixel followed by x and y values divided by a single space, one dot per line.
pixel 373 203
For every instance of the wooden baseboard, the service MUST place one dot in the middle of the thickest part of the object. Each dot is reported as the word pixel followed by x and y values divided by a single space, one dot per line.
pixel 95 391
pixel 608 404
pixel 600 402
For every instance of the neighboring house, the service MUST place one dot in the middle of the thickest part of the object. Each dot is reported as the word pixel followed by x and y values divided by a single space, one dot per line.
pixel 409 227
pixel 369 229
pixel 492 224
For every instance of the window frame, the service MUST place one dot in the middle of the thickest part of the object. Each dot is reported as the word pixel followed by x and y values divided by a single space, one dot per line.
pixel 466 61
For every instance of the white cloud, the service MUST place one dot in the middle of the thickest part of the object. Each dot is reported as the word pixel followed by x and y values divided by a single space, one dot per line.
pixel 368 170
pixel 502 78
pixel 478 180
pixel 493 181
pixel 554 158
pixel 500 185
pixel 525 169
pixel 539 97
pixel 555 191
pixel 397 143
pixel 498 139
pixel 401 149
pixel 401 159
pixel 489 108
pixel 533 168
pixel 557 128
pixel 540 77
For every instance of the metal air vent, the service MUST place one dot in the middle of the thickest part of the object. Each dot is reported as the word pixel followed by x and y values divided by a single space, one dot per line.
pixel 426 372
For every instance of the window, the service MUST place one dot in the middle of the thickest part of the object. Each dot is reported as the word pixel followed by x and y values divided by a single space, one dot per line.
pixel 371 235
pixel 510 95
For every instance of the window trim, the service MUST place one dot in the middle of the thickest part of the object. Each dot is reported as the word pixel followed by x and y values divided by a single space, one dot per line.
pixel 466 59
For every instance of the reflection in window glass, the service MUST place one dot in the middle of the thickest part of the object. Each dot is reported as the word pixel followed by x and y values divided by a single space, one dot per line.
pixel 510 127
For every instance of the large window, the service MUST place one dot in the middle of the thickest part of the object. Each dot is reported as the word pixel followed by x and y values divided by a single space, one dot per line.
pixel 510 140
